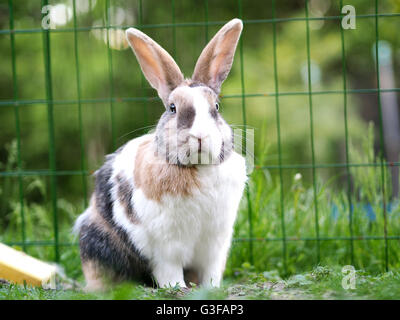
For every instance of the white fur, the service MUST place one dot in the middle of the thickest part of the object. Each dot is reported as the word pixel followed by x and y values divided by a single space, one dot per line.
pixel 204 127
pixel 192 232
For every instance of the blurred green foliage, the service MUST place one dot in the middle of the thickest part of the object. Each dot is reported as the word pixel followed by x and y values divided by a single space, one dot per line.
pixel 185 41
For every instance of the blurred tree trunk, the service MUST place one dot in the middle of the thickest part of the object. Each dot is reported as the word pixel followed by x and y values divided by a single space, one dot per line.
pixel 390 112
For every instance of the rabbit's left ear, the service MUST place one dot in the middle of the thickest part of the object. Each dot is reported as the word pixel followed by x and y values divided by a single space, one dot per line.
pixel 216 60
pixel 157 65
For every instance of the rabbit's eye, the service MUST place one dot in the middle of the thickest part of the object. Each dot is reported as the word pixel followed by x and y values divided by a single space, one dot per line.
pixel 217 106
pixel 172 108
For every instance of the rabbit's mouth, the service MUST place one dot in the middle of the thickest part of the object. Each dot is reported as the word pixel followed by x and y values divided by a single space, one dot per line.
pixel 199 148
pixel 191 151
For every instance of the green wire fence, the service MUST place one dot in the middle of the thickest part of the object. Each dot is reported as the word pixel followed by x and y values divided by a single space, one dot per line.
pixel 54 174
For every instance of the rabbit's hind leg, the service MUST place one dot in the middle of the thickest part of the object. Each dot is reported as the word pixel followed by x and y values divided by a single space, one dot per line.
pixel 93 276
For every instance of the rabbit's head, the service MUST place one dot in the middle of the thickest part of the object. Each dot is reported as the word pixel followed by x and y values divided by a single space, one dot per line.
pixel 191 130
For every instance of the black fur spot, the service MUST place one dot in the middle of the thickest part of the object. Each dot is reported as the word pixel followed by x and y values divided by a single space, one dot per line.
pixel 128 264
pixel 103 189
pixel 186 117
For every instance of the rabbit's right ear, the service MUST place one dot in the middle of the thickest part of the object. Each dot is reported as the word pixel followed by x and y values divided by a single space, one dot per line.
pixel 157 65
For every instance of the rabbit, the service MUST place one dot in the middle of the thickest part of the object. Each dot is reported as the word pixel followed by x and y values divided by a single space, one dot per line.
pixel 165 203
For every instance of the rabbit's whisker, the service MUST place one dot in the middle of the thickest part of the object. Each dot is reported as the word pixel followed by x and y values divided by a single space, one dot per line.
pixel 142 128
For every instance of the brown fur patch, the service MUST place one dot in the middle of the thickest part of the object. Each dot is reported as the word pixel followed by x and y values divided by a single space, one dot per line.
pixel 191 83
pixel 93 276
pixel 97 277
pixel 157 177
pixel 97 218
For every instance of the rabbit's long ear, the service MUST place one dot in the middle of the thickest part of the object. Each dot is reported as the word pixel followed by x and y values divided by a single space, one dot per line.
pixel 157 65
pixel 216 60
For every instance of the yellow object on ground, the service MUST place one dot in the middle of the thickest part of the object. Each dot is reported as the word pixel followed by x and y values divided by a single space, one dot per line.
pixel 18 267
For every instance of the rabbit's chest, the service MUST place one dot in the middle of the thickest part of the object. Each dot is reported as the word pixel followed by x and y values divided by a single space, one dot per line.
pixel 183 222
pixel 218 187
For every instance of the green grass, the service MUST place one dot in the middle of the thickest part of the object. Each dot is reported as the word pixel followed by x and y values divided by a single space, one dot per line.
pixel 320 283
